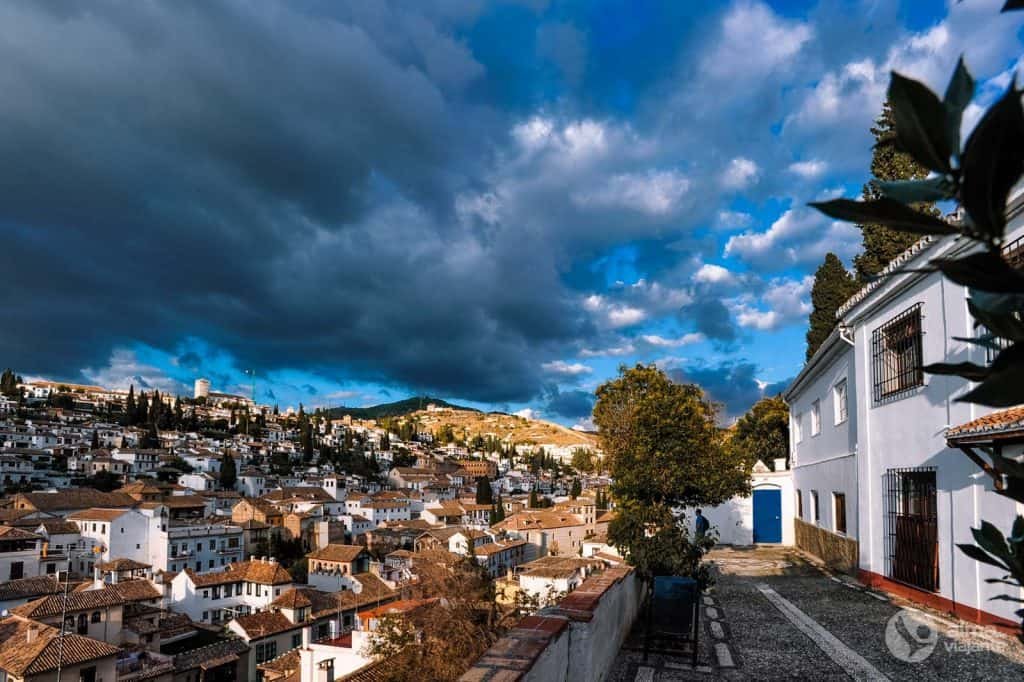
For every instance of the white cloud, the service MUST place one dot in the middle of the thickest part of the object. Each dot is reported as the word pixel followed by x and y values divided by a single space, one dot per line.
pixel 565 368
pixel 124 369
pixel 787 301
pixel 611 314
pixel 808 169
pixel 684 340
pixel 527 413
pixel 586 424
pixel 710 273
pixel 754 41
pixel 654 192
pixel 799 236
pixel 741 173
pixel 534 133
pixel 613 351
pixel 731 220
pixel 486 207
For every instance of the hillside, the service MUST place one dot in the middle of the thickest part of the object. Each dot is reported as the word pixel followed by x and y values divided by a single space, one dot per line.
pixel 519 429
pixel 398 408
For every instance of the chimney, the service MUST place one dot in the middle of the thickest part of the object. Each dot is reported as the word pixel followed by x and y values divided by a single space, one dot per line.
pixel 780 464
pixel 307 636
pixel 31 633
pixel 252 557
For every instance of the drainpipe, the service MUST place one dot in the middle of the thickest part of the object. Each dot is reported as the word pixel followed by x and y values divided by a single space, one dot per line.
pixel 843 331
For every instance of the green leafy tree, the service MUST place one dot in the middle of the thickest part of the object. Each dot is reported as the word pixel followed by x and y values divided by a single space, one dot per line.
pixel 762 433
pixel 889 162
pixel 583 460
pixel 665 452
pixel 979 176
pixel 833 285
pixel 228 472
pixel 532 503
pixel 9 384
pixel 577 488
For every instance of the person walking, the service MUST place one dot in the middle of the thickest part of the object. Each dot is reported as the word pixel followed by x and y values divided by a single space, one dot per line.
pixel 701 524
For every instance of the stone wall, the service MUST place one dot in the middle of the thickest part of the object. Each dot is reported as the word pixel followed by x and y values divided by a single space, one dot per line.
pixel 838 552
pixel 578 639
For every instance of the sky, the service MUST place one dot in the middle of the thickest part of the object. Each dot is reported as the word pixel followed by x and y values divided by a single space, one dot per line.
pixel 496 203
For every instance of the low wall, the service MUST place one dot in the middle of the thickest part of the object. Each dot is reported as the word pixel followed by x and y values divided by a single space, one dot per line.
pixel 578 639
pixel 838 553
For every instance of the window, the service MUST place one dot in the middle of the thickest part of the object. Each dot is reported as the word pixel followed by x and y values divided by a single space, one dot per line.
pixel 798 432
pixel 897 358
pixel 815 509
pixel 206 594
pixel 248 588
pixel 296 640
pixel 199 547
pixel 17 570
pixel 206 615
pixel 839 500
pixel 95 618
pixel 839 400
pixel 265 652
pixel 799 505
pixel 815 417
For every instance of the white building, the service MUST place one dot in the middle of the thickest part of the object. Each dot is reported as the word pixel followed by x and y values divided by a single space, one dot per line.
pixel 150 536
pixel 763 517
pixel 242 588
pixel 876 477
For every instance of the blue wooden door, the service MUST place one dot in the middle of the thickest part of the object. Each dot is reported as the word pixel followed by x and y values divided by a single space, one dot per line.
pixel 768 515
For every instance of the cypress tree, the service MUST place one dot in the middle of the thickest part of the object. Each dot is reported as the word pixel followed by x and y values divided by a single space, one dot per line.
pixel 577 488
pixel 129 406
pixel 833 285
pixel 888 162
pixel 228 472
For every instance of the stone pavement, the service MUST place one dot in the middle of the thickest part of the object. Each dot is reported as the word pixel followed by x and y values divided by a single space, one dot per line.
pixel 773 614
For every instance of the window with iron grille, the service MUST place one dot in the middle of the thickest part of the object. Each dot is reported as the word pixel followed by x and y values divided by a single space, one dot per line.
pixel 1013 252
pixel 910 527
pixel 897 356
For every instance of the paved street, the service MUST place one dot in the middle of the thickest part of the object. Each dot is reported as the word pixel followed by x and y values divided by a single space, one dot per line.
pixel 774 615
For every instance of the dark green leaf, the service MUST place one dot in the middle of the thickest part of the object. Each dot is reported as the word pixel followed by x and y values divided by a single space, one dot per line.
pixel 988 341
pixel 1012 5
pixel 1006 597
pixel 937 188
pixel 1004 386
pixel 985 270
pixel 884 212
pixel 1017 533
pixel 991 540
pixel 958 96
pixel 977 554
pixel 967 370
pixel 998 303
pixel 992 162
pixel 1003 325
pixel 920 123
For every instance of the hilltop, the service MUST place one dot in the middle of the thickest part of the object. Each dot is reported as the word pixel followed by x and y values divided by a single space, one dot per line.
pixel 399 408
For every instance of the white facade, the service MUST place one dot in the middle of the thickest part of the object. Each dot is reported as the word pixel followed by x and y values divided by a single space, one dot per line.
pixel 895 433
pixel 824 464
pixel 734 520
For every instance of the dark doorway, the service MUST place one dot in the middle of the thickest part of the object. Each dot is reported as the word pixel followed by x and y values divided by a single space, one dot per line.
pixel 911 527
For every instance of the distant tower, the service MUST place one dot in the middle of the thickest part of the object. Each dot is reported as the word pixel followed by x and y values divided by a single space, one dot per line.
pixel 202 388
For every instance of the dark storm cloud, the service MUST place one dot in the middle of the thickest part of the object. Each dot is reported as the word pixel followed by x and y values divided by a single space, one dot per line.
pixel 709 316
pixel 573 404
pixel 733 384
pixel 209 169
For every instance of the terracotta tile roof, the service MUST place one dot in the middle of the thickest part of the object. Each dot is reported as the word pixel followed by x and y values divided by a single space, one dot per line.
pixel 25 588
pixel 53 605
pixel 1003 423
pixel 122 565
pixel 73 498
pixel 21 658
pixel 11 533
pixel 265 624
pixel 262 572
pixel 334 552
pixel 543 520
pixel 97 514
pixel 292 599
pixel 377 671
pixel 210 656
pixel 284 668
pixel 496 547
pixel 300 492
pixel 403 606
pixel 136 590
pixel 58 527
